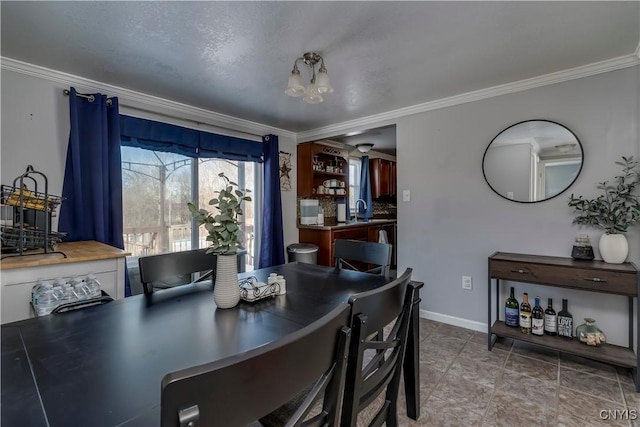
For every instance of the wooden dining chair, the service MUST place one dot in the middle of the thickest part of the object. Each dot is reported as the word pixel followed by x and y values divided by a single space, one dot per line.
pixel 174 268
pixel 240 389
pixel 375 363
pixel 361 256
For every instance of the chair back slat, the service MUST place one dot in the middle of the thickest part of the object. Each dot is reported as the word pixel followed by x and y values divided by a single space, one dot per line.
pixel 155 268
pixel 240 389
pixel 349 252
pixel 371 311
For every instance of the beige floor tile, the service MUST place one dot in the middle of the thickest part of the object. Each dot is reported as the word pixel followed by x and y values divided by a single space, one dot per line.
pixel 579 410
pixel 447 413
pixel 625 375
pixel 464 393
pixel 436 357
pixel 631 397
pixel 454 332
pixel 474 370
pixel 537 391
pixel 427 327
pixel 589 366
pixel 532 367
pixel 534 351
pixel 500 343
pixel 591 384
pixel 510 411
pixel 479 352
pixel 445 342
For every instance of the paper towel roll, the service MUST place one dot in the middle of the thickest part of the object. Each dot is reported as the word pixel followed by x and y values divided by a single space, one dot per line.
pixel 341 212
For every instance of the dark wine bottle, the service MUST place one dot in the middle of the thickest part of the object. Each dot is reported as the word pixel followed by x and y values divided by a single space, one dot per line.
pixel 525 315
pixel 512 311
pixel 565 322
pixel 550 319
pixel 537 318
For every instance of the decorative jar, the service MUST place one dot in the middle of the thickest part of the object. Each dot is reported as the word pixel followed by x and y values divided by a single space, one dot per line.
pixel 588 333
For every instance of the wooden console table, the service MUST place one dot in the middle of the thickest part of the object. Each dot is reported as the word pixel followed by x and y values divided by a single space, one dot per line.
pixel 591 276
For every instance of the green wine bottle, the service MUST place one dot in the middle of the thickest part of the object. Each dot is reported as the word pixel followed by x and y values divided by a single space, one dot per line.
pixel 525 315
pixel 512 311
pixel 537 318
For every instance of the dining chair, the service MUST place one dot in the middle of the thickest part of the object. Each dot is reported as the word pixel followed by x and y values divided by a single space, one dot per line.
pixel 240 389
pixel 350 254
pixel 167 270
pixel 375 362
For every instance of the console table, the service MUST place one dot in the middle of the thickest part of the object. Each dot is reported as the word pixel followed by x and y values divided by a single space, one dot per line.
pixel 591 276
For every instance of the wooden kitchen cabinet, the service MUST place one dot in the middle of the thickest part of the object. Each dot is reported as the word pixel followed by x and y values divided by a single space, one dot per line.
pixel 383 178
pixel 333 165
pixel 325 237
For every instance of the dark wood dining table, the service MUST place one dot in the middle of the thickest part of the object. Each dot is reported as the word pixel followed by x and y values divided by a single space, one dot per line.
pixel 102 365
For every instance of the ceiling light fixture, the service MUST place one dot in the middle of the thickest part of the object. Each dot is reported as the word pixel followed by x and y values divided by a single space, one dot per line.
pixel 364 148
pixel 318 86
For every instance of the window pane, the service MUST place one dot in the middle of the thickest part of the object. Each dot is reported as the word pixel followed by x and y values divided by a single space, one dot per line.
pixel 156 188
pixel 209 182
pixel 354 183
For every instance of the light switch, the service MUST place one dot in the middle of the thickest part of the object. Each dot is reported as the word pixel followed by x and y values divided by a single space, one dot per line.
pixel 406 195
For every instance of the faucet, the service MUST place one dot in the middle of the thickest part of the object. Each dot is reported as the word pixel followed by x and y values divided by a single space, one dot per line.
pixel 364 206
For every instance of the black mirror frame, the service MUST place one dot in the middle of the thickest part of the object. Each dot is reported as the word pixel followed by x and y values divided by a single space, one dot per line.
pixel 519 123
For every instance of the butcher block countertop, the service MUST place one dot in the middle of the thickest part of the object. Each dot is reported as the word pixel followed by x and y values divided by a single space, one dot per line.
pixel 76 252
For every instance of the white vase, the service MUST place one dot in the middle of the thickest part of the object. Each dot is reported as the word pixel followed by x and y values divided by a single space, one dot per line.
pixel 226 292
pixel 614 248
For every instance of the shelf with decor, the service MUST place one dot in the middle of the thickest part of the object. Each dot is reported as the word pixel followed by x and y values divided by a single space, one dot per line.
pixel 316 164
pixel 591 276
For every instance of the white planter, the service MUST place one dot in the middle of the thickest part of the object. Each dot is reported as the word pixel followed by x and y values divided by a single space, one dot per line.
pixel 614 248
pixel 226 291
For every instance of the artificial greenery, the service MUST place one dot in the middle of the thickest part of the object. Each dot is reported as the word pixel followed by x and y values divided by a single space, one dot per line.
pixel 223 227
pixel 618 208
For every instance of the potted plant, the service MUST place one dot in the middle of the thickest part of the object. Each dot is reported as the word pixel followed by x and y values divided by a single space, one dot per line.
pixel 614 211
pixel 223 230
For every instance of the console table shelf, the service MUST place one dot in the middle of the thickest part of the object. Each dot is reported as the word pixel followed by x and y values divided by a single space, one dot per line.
pixel 558 272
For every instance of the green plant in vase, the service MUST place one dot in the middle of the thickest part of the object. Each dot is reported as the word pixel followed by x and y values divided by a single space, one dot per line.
pixel 223 234
pixel 614 211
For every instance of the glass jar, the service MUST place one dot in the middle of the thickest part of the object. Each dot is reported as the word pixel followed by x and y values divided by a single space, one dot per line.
pixel 582 248
pixel 588 333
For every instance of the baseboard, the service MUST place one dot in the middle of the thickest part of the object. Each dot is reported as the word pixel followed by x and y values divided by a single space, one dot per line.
pixel 454 321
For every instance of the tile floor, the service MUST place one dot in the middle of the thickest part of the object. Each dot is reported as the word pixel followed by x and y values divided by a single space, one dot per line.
pixel 463 384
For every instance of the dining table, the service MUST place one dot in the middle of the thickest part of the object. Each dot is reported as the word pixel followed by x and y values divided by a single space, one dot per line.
pixel 103 365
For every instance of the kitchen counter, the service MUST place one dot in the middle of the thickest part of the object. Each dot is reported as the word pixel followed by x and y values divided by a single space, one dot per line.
pixel 20 273
pixel 331 226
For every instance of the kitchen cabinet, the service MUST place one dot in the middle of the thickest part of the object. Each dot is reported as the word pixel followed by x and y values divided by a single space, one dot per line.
pixel 20 274
pixel 383 178
pixel 318 163
pixel 325 236
pixel 590 276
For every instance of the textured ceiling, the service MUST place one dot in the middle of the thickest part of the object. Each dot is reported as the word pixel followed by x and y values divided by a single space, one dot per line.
pixel 235 57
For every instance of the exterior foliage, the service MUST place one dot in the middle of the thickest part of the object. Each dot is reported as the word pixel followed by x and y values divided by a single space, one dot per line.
pixel 223 227
pixel 618 208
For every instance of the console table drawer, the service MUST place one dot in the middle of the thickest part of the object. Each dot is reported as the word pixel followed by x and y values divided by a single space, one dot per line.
pixel 596 280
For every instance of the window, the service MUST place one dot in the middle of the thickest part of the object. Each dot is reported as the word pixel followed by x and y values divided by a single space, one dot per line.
pixel 156 189
pixel 354 183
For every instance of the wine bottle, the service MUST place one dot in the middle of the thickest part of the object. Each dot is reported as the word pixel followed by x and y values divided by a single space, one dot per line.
pixel 550 323
pixel 565 322
pixel 525 315
pixel 512 311
pixel 537 318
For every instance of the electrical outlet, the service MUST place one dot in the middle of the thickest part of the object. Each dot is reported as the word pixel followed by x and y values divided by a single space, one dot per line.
pixel 406 195
pixel 467 283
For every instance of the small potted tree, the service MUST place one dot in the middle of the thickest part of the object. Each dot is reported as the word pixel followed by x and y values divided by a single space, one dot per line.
pixel 223 230
pixel 614 211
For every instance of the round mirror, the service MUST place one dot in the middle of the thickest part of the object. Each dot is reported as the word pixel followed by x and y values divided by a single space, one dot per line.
pixel 532 161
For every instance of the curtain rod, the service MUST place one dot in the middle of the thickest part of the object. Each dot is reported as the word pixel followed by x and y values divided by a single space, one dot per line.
pixel 90 98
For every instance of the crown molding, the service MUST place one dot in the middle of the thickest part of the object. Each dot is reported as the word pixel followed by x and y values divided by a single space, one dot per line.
pixel 519 86
pixel 143 102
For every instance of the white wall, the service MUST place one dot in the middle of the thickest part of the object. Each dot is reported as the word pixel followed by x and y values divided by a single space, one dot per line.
pixel 454 221
pixel 35 129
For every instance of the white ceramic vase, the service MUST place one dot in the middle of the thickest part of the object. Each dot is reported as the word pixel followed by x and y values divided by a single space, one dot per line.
pixel 614 248
pixel 226 291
